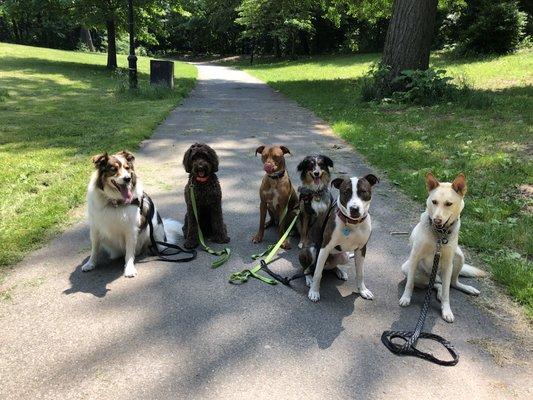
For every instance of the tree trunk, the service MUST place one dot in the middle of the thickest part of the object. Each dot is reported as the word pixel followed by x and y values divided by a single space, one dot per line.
pixel 409 35
pixel 111 44
pixel 85 37
pixel 278 48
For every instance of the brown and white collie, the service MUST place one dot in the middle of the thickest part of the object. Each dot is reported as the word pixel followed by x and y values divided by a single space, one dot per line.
pixel 118 208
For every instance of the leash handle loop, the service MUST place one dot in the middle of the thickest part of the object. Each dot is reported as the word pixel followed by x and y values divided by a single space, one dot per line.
pixel 411 337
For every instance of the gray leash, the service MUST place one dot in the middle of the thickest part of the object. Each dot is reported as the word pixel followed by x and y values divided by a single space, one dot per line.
pixel 410 338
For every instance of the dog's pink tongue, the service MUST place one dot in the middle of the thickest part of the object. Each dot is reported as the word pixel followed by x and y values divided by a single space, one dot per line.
pixel 126 193
pixel 317 181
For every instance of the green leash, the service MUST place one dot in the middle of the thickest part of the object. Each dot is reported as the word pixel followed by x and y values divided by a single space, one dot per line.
pixel 242 277
pixel 225 254
pixel 283 215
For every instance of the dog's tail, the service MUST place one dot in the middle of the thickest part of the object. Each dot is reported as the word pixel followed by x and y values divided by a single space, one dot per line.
pixel 469 271
pixel 173 229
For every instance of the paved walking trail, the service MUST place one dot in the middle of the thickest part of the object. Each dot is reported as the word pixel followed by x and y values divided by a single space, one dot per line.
pixel 182 332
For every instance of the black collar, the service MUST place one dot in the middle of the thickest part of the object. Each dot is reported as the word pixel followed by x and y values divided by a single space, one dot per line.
pixel 120 203
pixel 277 175
pixel 348 220
pixel 445 230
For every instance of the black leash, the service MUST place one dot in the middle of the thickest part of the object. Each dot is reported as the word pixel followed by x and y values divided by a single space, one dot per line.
pixel 410 338
pixel 167 252
pixel 285 280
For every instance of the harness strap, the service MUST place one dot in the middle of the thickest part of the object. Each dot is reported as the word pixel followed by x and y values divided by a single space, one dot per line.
pixel 166 252
pixel 410 338
pixel 225 253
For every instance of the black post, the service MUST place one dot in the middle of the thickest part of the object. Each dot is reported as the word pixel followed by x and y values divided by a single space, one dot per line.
pixel 132 58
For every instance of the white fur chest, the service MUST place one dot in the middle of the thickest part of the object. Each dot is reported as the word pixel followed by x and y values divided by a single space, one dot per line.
pixel 319 206
pixel 356 238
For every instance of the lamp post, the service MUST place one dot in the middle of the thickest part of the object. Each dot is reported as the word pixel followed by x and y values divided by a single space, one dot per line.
pixel 132 58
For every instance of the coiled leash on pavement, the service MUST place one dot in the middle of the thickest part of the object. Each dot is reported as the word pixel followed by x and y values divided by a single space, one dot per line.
pixel 225 253
pixel 242 276
pixel 167 252
pixel 411 338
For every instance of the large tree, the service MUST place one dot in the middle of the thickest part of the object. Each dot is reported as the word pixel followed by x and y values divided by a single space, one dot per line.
pixel 409 35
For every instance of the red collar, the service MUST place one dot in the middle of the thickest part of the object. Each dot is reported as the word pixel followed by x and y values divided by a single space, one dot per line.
pixel 348 220
pixel 202 179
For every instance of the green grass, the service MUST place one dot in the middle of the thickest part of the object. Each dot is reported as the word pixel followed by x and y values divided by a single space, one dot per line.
pixel 58 108
pixel 492 145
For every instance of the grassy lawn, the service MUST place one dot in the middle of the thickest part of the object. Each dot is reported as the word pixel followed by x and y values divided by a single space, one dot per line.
pixel 58 108
pixel 493 146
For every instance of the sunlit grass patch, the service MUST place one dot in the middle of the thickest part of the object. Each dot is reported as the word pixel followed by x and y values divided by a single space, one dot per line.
pixel 58 108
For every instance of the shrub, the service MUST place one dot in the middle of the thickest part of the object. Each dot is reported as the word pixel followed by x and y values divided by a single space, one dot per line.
pixel 490 27
pixel 420 87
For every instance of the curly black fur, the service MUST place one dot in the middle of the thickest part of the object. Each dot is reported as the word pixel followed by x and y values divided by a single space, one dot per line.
pixel 201 162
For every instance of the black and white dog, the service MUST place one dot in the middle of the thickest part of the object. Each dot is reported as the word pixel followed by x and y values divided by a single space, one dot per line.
pixel 117 210
pixel 315 197
pixel 348 229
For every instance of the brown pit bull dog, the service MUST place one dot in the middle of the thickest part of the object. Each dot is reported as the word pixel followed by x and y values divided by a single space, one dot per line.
pixel 276 192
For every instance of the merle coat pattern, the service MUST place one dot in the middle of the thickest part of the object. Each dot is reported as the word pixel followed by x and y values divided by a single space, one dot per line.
pixel 201 162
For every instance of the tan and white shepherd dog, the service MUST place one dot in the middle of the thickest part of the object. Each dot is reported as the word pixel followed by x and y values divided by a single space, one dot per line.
pixel 117 210
pixel 443 211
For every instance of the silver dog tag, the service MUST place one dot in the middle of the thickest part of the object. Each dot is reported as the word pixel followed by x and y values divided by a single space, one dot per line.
pixel 346 231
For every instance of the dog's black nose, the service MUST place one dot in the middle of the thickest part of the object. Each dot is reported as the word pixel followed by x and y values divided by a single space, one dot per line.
pixel 316 173
pixel 127 179
pixel 354 212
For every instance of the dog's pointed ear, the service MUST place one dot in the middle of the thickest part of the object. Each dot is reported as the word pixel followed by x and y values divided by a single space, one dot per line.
pixel 127 155
pixel 187 160
pixel 431 182
pixel 372 179
pixel 100 160
pixel 285 150
pixel 459 184
pixel 259 150
pixel 337 182
pixel 328 161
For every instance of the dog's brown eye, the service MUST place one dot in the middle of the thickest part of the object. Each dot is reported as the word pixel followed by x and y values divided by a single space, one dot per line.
pixel 434 202
pixel 448 204
pixel 126 167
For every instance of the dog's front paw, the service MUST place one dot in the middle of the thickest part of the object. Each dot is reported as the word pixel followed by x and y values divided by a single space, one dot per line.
pixel 314 295
pixel 130 271
pixel 88 266
pixel 190 244
pixel 365 293
pixel 447 314
pixel 257 238
pixel 471 290
pixel 220 239
pixel 405 300
pixel 308 280
pixel 343 276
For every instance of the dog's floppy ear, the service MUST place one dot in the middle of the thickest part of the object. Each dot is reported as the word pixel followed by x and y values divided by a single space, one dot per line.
pixel 285 150
pixel 303 165
pixel 459 184
pixel 127 155
pixel 100 160
pixel 259 150
pixel 372 179
pixel 431 182
pixel 328 161
pixel 337 182
pixel 187 160
pixel 212 158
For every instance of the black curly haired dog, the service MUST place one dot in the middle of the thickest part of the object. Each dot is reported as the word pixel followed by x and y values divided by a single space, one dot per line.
pixel 201 162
